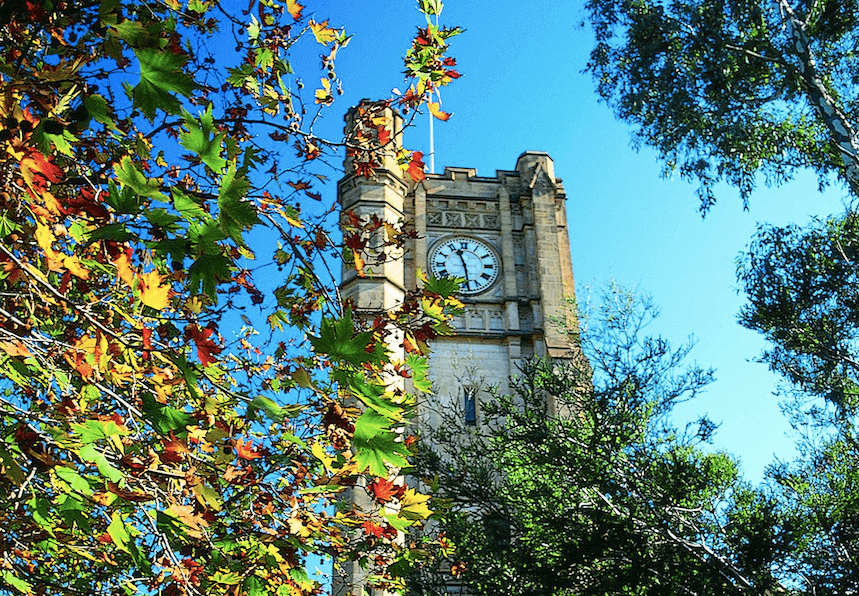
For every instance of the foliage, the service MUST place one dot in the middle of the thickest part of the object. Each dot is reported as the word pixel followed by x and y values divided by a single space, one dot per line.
pixel 801 285
pixel 731 89
pixel 604 497
pixel 152 440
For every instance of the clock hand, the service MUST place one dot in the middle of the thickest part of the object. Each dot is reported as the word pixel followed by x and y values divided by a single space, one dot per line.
pixel 464 268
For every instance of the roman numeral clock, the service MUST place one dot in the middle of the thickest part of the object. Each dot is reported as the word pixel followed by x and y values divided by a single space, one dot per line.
pixel 468 259
pixel 505 236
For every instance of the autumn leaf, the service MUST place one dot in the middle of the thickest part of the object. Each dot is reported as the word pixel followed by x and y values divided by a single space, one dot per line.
pixel 416 167
pixel 153 293
pixel 246 450
pixel 206 348
pixel 294 9
pixel 323 33
pixel 384 490
pixel 435 111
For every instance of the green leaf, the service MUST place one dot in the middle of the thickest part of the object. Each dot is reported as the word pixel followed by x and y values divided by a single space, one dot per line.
pixel 376 445
pixel 161 74
pixel 91 454
pixel 97 107
pixel 165 418
pixel 274 411
pixel 337 342
pixel 197 139
pixel 205 273
pixel 16 582
pixel 132 178
pixel 234 213
pixel 420 368
pixel 187 207
pixel 75 480
pixel 7 226
pixel 95 430
pixel 118 532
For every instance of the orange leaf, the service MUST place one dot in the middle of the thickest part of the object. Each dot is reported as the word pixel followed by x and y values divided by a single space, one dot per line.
pixel 324 34
pixel 435 111
pixel 246 451
pixel 294 9
pixel 152 293
pixel 15 348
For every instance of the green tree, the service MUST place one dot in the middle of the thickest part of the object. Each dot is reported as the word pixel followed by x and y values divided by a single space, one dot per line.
pixel 728 90
pixel 605 497
pixel 801 284
pixel 152 439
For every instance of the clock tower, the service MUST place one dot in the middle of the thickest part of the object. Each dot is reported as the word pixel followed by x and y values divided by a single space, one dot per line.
pixel 505 235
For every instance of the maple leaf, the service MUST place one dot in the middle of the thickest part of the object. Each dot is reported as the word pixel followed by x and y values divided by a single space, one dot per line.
pixel 294 9
pixel 384 490
pixel 161 74
pixel 339 341
pixel 206 348
pixel 234 213
pixel 323 33
pixel 152 293
pixel 416 167
pixel 435 110
pixel 246 450
pixel 197 139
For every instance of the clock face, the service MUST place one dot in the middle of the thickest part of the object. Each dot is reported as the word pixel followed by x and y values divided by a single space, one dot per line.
pixel 468 259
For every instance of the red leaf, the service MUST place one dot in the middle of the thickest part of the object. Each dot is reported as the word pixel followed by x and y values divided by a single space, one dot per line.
pixel 384 490
pixel 416 167
pixel 206 348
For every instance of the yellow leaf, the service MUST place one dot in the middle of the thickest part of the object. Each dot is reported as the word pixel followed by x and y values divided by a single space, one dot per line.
pixel 152 293
pixel 413 505
pixel 124 270
pixel 435 111
pixel 73 264
pixel 294 9
pixel 323 33
pixel 318 452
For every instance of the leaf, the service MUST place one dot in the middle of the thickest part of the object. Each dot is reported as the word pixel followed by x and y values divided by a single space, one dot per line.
pixel 165 418
pixel 337 341
pixel 246 450
pixel 435 111
pixel 294 9
pixel 413 505
pixel 96 430
pixel 416 167
pixel 96 106
pixel 188 207
pixel 91 454
pixel 323 33
pixel 132 178
pixel 376 445
pixel 161 74
pixel 234 213
pixel 420 369
pixel 152 293
pixel 206 348
pixel 198 140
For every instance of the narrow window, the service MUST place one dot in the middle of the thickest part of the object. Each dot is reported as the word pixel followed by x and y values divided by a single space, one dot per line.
pixel 470 406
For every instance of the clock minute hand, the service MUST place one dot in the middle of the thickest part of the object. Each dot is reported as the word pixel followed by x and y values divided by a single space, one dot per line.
pixel 464 268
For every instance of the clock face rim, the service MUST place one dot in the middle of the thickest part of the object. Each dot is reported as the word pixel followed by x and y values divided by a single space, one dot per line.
pixel 494 267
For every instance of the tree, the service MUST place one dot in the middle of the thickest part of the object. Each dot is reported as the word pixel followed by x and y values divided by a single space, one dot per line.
pixel 731 89
pixel 167 425
pixel 605 497
pixel 801 284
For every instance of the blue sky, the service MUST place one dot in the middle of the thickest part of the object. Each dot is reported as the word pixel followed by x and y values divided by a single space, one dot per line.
pixel 523 89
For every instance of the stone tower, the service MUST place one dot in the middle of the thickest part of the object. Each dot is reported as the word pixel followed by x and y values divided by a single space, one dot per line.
pixel 506 235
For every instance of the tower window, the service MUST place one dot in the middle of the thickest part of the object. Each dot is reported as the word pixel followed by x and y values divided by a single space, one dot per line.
pixel 470 404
